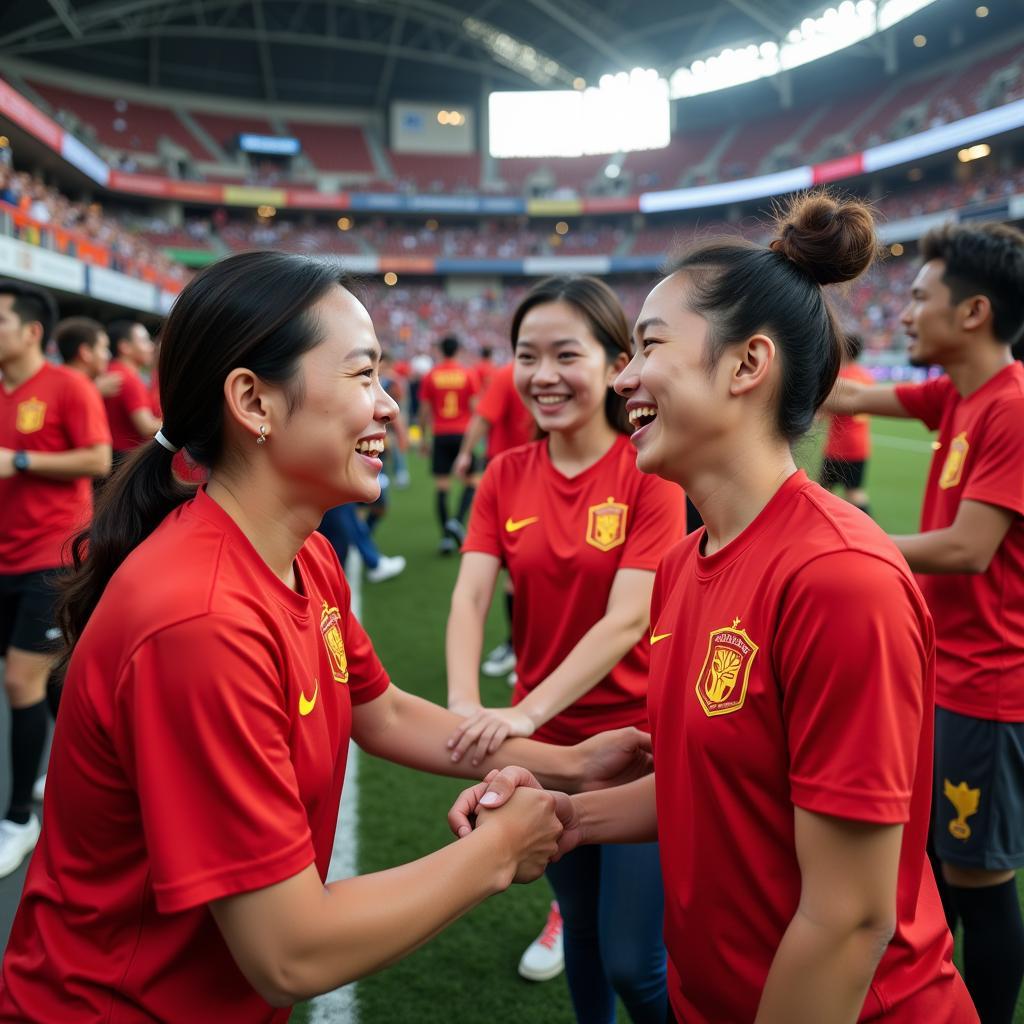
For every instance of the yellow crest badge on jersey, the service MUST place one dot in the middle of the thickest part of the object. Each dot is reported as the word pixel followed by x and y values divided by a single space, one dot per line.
pixel 330 628
pixel 966 801
pixel 31 416
pixel 606 525
pixel 723 679
pixel 953 469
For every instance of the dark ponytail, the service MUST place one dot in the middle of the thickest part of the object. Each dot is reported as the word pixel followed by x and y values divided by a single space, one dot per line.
pixel 742 288
pixel 252 310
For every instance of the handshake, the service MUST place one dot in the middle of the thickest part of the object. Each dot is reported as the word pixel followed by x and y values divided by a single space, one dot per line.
pixel 529 825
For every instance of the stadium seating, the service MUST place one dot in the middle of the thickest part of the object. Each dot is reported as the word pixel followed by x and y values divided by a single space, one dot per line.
pixel 437 173
pixel 123 125
pixel 334 147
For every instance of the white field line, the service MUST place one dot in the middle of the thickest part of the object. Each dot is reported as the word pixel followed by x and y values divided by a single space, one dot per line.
pixel 906 444
pixel 339 1006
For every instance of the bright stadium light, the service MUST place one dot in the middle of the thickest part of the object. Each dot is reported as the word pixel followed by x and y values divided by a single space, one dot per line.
pixel 627 111
pixel 835 29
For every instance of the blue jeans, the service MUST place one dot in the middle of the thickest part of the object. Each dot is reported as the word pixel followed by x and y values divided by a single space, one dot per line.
pixel 342 526
pixel 612 906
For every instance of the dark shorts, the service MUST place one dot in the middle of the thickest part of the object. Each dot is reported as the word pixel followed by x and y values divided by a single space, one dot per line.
pixel 978 802
pixel 445 451
pixel 841 472
pixel 28 620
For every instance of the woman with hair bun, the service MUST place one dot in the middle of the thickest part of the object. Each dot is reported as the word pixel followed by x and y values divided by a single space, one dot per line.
pixel 792 665
pixel 216 675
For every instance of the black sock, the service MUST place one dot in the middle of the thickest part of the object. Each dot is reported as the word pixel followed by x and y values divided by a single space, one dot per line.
pixel 442 510
pixel 509 605
pixel 993 948
pixel 28 738
pixel 465 501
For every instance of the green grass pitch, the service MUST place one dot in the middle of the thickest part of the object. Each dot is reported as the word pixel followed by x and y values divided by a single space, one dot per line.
pixel 468 973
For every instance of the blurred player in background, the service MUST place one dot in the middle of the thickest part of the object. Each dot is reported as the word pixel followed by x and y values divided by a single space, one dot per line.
pixel 848 445
pixel 446 404
pixel 130 410
pixel 84 346
pixel 966 310
pixel 581 532
pixel 53 439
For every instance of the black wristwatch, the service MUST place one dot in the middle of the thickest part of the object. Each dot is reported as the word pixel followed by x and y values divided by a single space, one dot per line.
pixel 21 462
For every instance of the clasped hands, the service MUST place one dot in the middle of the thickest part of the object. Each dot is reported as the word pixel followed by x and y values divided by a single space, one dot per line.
pixel 543 825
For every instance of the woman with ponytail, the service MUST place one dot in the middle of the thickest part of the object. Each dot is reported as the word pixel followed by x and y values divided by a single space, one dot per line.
pixel 792 664
pixel 216 675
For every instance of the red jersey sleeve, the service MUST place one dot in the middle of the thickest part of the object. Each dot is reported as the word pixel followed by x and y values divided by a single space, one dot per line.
pixel 201 723
pixel 927 401
pixel 852 656
pixel 997 476
pixel 484 534
pixel 134 395
pixel 491 406
pixel 84 415
pixel 658 522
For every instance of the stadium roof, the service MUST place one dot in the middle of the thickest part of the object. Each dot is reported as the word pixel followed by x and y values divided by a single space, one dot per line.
pixel 365 52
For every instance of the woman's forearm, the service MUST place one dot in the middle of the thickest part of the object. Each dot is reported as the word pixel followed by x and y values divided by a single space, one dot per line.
pixel 821 974
pixel 622 814
pixel 598 651
pixel 464 640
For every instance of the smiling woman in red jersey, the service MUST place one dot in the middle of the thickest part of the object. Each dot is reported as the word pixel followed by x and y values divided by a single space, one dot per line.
pixel 792 665
pixel 581 532
pixel 216 676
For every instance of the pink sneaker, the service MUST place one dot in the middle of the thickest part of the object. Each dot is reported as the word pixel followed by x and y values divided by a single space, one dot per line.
pixel 543 959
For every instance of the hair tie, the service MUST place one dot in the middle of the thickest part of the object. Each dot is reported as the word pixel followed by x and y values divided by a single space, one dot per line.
pixel 164 443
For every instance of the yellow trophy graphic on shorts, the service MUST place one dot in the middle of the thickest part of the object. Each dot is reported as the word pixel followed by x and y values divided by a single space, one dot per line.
pixel 965 800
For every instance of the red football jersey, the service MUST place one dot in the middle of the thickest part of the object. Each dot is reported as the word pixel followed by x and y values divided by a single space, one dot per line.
pixel 563 540
pixel 485 371
pixel 55 410
pixel 133 396
pixel 200 753
pixel 449 389
pixel 509 421
pixel 849 437
pixel 793 666
pixel 979 617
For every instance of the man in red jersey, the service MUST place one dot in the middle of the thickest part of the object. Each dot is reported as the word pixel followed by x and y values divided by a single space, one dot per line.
pixel 130 412
pixel 507 423
pixel 446 397
pixel 84 346
pixel 485 368
pixel 848 445
pixel 966 310
pixel 53 439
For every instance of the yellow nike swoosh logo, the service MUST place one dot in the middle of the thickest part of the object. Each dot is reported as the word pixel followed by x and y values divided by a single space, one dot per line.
pixel 305 706
pixel 655 637
pixel 512 525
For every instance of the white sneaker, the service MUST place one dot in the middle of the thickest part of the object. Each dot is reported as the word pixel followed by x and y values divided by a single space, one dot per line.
pixel 543 959
pixel 455 529
pixel 39 789
pixel 16 843
pixel 501 660
pixel 388 567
